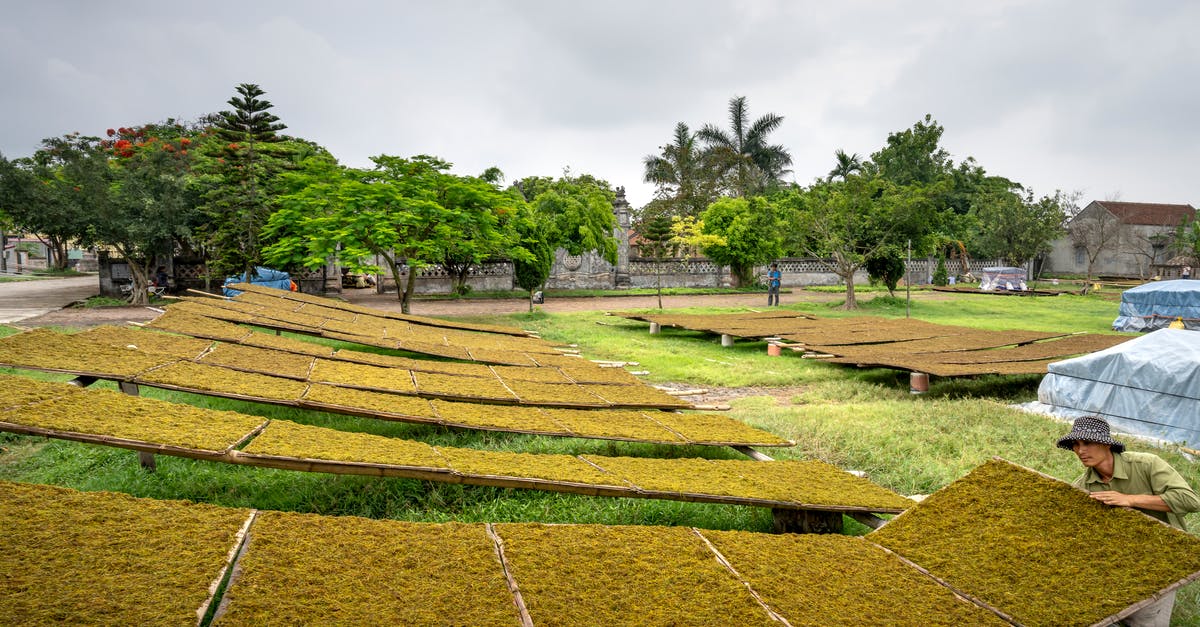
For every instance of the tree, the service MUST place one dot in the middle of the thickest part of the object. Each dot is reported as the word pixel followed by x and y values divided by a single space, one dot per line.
pixel 913 155
pixel 849 222
pixel 658 241
pixel 483 205
pixel 237 201
pixel 532 268
pixel 846 165
pixel 684 179
pixel 148 209
pixel 1094 232
pixel 406 212
pixel 576 212
pixel 749 232
pixel 746 161
pixel 1013 226
pixel 53 193
pixel 886 266
pixel 1187 238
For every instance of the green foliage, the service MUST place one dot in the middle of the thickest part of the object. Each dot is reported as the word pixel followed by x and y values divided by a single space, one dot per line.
pixel 750 233
pixel 847 165
pixel 533 268
pixel 54 193
pixel 242 169
pixel 1013 227
pixel 577 213
pixel 745 161
pixel 1187 238
pixel 913 155
pixel 410 213
pixel 886 266
pixel 149 208
pixel 686 182
pixel 940 275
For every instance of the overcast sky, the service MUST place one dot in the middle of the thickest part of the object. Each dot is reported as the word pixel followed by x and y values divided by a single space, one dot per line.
pixel 1101 97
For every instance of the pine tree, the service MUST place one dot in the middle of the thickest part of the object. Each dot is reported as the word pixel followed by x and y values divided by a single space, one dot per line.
pixel 237 203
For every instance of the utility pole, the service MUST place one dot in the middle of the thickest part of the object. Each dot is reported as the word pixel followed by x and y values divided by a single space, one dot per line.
pixel 908 280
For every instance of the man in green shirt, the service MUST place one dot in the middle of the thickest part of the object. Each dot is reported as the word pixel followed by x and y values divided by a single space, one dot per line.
pixel 1142 481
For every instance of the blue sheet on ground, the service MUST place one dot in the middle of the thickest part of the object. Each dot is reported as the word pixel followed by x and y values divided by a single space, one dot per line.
pixel 262 276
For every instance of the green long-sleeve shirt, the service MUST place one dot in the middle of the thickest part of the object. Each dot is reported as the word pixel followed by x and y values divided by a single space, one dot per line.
pixel 1145 473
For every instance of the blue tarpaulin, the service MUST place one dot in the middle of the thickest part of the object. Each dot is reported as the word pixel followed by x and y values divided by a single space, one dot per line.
pixel 1155 305
pixel 265 277
pixel 1148 386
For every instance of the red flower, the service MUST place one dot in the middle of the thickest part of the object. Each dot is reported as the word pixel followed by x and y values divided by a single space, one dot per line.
pixel 233 147
pixel 185 142
pixel 110 132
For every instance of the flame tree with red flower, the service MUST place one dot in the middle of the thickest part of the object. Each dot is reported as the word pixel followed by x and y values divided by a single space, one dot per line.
pixel 143 209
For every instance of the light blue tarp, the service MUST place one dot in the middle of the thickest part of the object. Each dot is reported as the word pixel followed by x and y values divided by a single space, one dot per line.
pixel 1155 305
pixel 1148 386
pixel 265 277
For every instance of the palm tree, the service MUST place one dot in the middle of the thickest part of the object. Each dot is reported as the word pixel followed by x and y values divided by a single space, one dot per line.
pixel 742 153
pixel 846 165
pixel 682 174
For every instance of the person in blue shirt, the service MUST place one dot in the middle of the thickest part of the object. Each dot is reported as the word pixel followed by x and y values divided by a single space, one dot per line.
pixel 774 276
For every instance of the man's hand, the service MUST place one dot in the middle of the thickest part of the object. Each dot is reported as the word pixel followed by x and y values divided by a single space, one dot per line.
pixel 1144 501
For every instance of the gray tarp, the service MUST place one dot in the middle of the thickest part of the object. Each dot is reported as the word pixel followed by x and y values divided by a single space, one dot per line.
pixel 1148 386
pixel 1156 305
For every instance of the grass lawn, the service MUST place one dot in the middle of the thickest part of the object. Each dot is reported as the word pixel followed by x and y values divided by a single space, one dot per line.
pixel 862 419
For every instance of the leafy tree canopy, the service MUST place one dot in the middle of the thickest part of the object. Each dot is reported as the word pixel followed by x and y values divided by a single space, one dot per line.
pixel 749 231
pixel 576 212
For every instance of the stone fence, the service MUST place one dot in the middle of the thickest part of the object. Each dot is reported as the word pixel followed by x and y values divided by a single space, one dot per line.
pixel 588 271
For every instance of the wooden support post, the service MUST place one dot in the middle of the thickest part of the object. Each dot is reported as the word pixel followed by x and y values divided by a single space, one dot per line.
pixel 654 328
pixel 869 519
pixel 726 340
pixel 754 454
pixel 146 460
pixel 807 521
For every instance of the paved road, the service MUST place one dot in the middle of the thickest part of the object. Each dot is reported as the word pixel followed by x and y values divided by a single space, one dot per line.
pixel 20 300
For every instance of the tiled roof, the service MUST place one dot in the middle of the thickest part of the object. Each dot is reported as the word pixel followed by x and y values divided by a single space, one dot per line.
pixel 1148 213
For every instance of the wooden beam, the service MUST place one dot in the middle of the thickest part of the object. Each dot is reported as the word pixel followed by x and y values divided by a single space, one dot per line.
pixel 753 454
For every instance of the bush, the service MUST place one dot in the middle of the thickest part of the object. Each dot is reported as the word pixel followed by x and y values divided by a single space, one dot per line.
pixel 940 276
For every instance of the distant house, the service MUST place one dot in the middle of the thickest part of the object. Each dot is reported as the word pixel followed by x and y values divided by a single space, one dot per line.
pixel 1125 239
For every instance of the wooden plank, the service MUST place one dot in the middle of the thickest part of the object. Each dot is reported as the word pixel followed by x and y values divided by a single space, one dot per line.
pixel 518 600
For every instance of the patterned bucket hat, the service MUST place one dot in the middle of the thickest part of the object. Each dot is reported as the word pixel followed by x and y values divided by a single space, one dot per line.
pixel 1090 429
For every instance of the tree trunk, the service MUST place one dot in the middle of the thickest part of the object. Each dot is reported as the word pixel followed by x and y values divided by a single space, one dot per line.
pixel 408 289
pixel 851 302
pixel 400 293
pixel 140 295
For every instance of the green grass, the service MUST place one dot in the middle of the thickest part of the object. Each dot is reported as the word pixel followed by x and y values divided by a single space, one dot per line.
pixel 863 419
